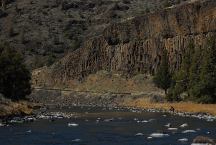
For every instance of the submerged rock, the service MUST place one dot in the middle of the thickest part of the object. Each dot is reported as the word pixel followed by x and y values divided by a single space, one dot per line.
pixel 76 140
pixel 108 120
pixel 28 131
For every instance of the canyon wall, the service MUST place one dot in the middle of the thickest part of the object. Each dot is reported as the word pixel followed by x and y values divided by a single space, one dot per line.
pixel 135 46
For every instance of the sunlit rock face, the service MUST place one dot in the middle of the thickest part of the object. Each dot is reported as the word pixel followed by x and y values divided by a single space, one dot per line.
pixel 136 45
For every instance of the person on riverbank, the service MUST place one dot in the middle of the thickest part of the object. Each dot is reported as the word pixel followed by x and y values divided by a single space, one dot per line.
pixel 172 109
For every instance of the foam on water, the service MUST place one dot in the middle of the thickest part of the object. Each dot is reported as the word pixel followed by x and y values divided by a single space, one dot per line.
pixel 189 131
pixel 72 124
pixel 183 140
pixel 159 135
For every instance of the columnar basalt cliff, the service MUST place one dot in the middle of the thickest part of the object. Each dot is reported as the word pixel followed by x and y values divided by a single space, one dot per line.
pixel 135 46
pixel 45 30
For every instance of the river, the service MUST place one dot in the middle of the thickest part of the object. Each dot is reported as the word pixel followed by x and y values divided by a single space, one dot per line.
pixel 100 126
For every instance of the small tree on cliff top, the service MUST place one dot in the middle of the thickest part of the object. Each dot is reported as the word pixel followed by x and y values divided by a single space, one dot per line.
pixel 162 79
pixel 14 76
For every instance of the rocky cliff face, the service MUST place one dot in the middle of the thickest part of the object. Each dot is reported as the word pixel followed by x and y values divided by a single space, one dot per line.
pixel 45 30
pixel 135 46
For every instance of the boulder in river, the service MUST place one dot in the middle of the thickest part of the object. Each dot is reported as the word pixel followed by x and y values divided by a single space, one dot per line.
pixel 203 140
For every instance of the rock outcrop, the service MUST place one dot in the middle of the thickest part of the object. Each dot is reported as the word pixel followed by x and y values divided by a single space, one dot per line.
pixel 9 108
pixel 136 45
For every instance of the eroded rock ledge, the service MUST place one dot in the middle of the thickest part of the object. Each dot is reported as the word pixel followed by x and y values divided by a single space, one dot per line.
pixel 10 108
pixel 135 46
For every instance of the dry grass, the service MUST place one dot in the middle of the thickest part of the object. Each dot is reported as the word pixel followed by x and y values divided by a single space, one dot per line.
pixel 15 108
pixel 104 82
pixel 182 106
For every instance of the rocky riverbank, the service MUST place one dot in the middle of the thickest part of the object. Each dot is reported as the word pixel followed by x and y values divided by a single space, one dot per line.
pixel 46 100
pixel 132 102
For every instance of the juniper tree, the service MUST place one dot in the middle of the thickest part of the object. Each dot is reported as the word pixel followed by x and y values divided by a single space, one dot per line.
pixel 14 76
pixel 162 79
pixel 194 74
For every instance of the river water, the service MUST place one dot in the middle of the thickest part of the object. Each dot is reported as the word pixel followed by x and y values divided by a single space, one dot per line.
pixel 97 126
